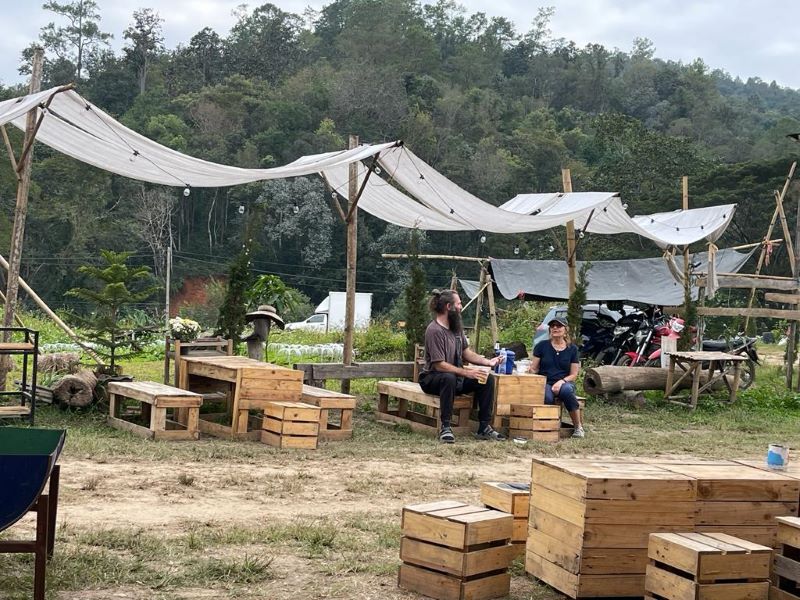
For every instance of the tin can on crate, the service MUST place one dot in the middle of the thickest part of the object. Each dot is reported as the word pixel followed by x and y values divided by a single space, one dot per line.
pixel 777 456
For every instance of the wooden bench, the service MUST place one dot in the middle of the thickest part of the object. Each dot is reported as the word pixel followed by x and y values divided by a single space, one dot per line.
pixel 329 401
pixel 154 400
pixel 426 420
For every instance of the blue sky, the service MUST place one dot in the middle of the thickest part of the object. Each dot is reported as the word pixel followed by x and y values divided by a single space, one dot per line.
pixel 744 38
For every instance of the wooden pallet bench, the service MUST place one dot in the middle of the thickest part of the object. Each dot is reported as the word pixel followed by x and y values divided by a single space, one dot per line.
pixel 454 551
pixel 155 399
pixel 418 410
pixel 331 403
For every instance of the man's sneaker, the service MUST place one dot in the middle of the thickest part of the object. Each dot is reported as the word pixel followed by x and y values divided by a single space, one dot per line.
pixel 446 436
pixel 579 432
pixel 490 434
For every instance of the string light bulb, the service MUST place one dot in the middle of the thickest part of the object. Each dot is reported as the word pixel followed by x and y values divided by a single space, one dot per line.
pixel 186 191
pixel 581 235
pixel 516 249
pixel 295 208
pixel 625 206
pixel 550 248
pixel 483 238
pixel 241 209
pixel 377 170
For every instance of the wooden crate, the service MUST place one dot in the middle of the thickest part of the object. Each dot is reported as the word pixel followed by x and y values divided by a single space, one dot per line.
pixel 511 498
pixel 290 425
pixel 741 500
pixel 786 566
pixel 455 551
pixel 517 389
pixel 332 404
pixel 697 566
pixel 590 520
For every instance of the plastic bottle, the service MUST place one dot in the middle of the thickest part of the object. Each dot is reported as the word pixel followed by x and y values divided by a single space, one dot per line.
pixel 501 366
pixel 510 355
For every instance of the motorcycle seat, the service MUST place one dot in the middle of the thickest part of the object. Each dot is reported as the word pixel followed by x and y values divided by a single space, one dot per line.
pixel 715 345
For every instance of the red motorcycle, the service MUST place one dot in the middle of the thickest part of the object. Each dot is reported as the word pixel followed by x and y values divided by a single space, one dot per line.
pixel 648 348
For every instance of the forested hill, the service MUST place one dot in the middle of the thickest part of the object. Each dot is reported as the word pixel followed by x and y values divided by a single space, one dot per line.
pixel 497 109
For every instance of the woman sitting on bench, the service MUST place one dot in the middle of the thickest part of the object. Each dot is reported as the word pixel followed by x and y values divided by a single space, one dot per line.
pixel 557 359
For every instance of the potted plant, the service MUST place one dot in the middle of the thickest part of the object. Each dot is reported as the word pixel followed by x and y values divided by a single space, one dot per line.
pixel 185 330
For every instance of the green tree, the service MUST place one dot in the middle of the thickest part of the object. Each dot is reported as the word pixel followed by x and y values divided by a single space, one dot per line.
pixel 287 301
pixel 234 307
pixel 117 287
pixel 575 305
pixel 145 42
pixel 415 295
pixel 80 38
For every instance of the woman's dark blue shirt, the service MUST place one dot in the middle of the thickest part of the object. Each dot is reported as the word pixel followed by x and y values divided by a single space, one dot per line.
pixel 555 365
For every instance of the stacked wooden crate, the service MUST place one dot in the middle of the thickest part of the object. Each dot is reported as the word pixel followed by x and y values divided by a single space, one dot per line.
pixel 454 551
pixel 590 520
pixel 525 389
pixel 688 566
pixel 290 425
pixel 786 568
pixel 514 499
pixel 538 422
pixel 740 500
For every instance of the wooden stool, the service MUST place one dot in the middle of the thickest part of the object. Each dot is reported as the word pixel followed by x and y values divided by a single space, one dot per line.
pixel 514 499
pixel 155 399
pixel 331 401
pixel 786 568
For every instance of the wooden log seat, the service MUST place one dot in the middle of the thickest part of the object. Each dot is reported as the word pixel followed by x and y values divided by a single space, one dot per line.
pixel 154 401
pixel 418 410
pixel 331 403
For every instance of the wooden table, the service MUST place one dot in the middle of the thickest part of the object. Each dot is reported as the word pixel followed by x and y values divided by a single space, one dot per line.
pixel 691 363
pixel 248 385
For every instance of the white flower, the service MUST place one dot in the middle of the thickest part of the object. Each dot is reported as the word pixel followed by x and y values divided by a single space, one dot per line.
pixel 184 329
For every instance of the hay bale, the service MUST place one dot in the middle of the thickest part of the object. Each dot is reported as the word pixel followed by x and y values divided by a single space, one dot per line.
pixel 59 362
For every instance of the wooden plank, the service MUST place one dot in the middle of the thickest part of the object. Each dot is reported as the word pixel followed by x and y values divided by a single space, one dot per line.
pixel 568 533
pixel 486 526
pixel 539 411
pixel 739 483
pixel 584 586
pixel 778 594
pixel 363 370
pixel 668 585
pixel 429 583
pixel 289 441
pixel 130 427
pixel 640 513
pixel 570 510
pixel 743 513
pixel 519 530
pixel 789 531
pixel 764 535
pixel 771 313
pixel 784 298
pixel 764 282
pixel 485 588
pixel 556 551
pixel 787 568
pixel 423 527
pixel 292 411
pixel 453 561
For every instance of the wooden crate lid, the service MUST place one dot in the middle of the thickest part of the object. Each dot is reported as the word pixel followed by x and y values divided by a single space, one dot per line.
pixel 455 524
pixel 511 498
pixel 711 556
pixel 739 482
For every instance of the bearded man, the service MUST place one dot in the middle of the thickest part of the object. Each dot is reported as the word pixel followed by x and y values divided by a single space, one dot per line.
pixel 446 351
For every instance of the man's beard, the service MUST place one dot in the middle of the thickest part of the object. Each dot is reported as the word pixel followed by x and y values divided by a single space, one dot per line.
pixel 454 321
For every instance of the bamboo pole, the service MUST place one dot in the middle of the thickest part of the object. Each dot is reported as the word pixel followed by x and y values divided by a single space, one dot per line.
pixel 352 257
pixel 492 310
pixel 685 206
pixel 56 319
pixel 436 257
pixel 478 306
pixel 566 181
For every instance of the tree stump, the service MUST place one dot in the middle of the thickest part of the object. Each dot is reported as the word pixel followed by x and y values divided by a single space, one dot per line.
pixel 75 390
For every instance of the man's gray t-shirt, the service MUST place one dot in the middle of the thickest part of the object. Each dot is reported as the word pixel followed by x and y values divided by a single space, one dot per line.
pixel 441 344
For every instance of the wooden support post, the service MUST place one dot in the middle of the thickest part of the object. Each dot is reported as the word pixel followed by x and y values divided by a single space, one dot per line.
pixel 352 256
pixel 454 282
pixel 566 180
pixel 478 305
pixel 685 206
pixel 778 209
pixel 21 209
pixel 492 310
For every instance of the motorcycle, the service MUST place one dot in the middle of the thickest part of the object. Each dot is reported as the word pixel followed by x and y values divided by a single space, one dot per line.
pixel 624 339
pixel 649 335
pixel 740 345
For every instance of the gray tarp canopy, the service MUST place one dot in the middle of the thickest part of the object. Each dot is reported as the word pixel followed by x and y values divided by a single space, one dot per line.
pixel 644 280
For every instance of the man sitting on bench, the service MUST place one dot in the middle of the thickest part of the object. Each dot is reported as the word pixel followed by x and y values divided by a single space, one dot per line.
pixel 446 350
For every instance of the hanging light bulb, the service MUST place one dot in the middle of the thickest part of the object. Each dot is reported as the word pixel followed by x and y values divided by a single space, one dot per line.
pixel 333 195
pixel 186 191
pixel 483 238
pixel 295 208
pixel 581 235
pixel 377 170
pixel 516 249
pixel 625 206
pixel 550 248
pixel 241 209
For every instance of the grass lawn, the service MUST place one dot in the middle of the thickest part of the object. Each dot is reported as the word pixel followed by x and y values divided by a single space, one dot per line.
pixel 217 519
